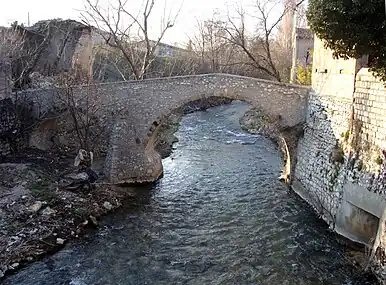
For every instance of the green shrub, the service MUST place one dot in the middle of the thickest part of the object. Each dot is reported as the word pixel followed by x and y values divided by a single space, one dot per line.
pixel 303 74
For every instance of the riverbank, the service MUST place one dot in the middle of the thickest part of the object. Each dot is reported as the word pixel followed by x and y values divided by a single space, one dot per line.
pixel 219 213
pixel 39 213
pixel 286 139
pixel 255 122
pixel 170 124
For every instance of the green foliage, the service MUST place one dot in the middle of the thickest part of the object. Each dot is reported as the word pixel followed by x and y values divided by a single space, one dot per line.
pixel 303 74
pixel 352 29
pixel 379 160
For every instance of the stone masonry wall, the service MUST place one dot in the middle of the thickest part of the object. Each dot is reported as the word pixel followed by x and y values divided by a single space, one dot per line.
pixel 316 169
pixel 156 97
pixel 370 108
pixel 341 163
pixel 132 111
pixel 10 127
pixel 328 115
pixel 4 79
pixel 277 100
pixel 7 116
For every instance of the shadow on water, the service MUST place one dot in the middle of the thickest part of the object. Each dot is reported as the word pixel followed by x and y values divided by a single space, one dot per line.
pixel 218 216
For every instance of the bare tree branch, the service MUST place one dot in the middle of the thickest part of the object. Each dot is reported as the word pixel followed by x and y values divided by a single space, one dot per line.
pixel 258 47
pixel 24 54
pixel 139 52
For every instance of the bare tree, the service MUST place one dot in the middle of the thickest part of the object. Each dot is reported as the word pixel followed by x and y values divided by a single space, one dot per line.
pixel 18 58
pixel 22 52
pixel 79 101
pixel 109 65
pixel 301 18
pixel 211 42
pixel 81 120
pixel 259 46
pixel 213 51
pixel 128 32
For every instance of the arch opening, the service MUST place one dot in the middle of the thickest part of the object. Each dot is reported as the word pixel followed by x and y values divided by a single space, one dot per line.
pixel 161 136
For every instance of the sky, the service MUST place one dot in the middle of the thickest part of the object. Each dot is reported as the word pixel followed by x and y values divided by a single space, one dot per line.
pixel 189 12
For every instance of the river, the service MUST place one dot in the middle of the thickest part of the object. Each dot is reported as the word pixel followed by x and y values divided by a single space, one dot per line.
pixel 219 216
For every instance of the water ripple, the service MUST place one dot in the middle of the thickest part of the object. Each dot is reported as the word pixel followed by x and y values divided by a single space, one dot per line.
pixel 219 216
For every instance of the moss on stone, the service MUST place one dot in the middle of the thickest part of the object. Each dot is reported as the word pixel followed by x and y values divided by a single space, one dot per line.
pixel 337 154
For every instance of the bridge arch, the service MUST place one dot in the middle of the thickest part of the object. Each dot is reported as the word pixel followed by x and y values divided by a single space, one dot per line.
pixel 132 157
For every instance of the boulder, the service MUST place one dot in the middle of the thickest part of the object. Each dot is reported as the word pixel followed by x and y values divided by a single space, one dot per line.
pixel 107 205
pixel 36 206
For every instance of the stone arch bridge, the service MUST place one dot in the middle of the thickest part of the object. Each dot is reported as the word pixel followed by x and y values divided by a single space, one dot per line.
pixel 134 109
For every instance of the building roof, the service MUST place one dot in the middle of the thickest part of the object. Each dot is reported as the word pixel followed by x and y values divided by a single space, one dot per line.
pixel 40 28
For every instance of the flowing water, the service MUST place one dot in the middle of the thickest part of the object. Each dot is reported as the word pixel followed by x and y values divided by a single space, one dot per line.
pixel 219 216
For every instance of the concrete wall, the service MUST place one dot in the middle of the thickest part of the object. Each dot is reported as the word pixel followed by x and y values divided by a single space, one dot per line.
pixel 341 169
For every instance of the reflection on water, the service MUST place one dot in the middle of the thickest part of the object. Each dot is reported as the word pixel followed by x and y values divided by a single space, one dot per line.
pixel 219 216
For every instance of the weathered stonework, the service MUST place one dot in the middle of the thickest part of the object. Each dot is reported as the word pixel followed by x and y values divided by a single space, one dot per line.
pixel 12 136
pixel 163 96
pixel 341 162
pixel 5 73
pixel 7 125
pixel 341 158
pixel 7 116
pixel 133 110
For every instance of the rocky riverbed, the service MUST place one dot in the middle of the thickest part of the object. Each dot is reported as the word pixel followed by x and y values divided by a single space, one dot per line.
pixel 39 213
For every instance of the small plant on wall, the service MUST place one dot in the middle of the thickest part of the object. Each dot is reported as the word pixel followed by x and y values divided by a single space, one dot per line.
pixel 303 74
pixel 337 154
